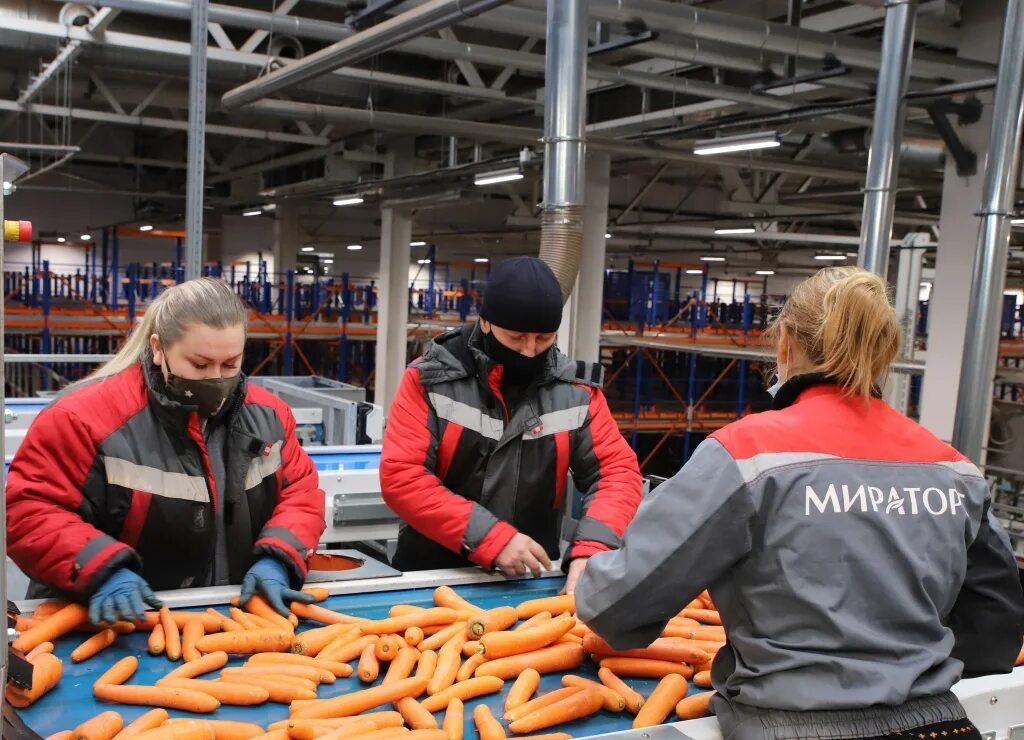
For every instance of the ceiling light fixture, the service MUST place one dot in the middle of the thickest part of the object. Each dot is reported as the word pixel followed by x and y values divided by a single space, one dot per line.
pixel 417 244
pixel 498 176
pixel 423 262
pixel 308 249
pixel 694 272
pixel 481 259
pixel 737 230
pixel 61 240
pixel 764 272
pixel 146 227
pixel 253 212
pixel 354 247
pixel 348 200
pixel 830 257
pixel 86 237
pixel 607 235
pixel 268 207
pixel 328 261
pixel 739 143
pixel 1014 221
pixel 710 258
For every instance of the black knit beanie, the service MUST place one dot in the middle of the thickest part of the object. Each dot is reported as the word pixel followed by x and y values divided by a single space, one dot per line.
pixel 523 294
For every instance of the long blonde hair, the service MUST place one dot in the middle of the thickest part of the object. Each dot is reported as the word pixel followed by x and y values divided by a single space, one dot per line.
pixel 202 301
pixel 843 321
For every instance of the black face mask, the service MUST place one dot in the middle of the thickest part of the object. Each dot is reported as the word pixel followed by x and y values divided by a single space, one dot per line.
pixel 518 367
pixel 209 394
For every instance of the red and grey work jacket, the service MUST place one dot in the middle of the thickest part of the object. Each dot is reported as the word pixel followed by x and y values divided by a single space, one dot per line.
pixel 465 473
pixel 115 474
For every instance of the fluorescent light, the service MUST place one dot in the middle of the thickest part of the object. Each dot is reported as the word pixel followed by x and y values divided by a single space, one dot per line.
pixel 328 261
pixel 741 143
pixel 1014 221
pixel 709 258
pixel 481 259
pixel 147 227
pixel 498 176
pixel 423 262
pixel 7 186
pixel 764 272
pixel 738 230
pixel 253 212
pixel 270 207
pixel 607 235
pixel 61 240
pixel 417 244
pixel 354 247
pixel 694 272
pixel 308 249
pixel 86 237
pixel 348 200
pixel 830 257
pixel 925 284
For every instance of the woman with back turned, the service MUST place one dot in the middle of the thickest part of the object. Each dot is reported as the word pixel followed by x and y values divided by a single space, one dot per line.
pixel 853 556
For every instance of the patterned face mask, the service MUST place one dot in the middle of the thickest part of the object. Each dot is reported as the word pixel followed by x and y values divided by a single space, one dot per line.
pixel 208 395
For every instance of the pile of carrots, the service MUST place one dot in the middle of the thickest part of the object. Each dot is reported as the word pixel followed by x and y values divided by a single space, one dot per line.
pixel 432 660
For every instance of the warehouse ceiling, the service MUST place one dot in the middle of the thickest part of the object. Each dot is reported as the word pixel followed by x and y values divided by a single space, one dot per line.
pixel 112 79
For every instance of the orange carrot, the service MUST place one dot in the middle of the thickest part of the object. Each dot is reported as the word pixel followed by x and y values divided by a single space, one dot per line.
pixel 279 690
pixel 258 606
pixel 581 704
pixel 359 701
pixel 553 604
pixel 312 642
pixel 224 692
pixel 696 706
pixel 157 696
pixel 191 634
pixel 309 673
pixel 62 735
pixel 403 665
pixel 248 621
pixel 369 666
pixel 454 719
pixel 547 660
pixel 361 723
pixel 414 636
pixel 388 646
pixel 157 644
pixel 322 615
pixel 669 650
pixel 92 646
pixel 189 729
pixel 348 651
pixel 341 670
pixel 471 648
pixel 426 665
pixel 60 623
pixel 275 735
pixel 152 619
pixel 704 616
pixel 634 700
pixel 224 623
pixel 644 668
pixel 225 729
pixel 198 667
pixel 548 736
pixel 449 658
pixel 43 647
pixel 469 667
pixel 120 672
pixel 447 597
pixel 425 618
pixel 415 714
pixel 502 644
pixel 339 643
pixel 47 671
pixel 101 727
pixel 320 594
pixel 49 608
pixel 487 727
pixel 171 636
pixel 659 705
pixel 464 690
pixel 435 641
pixel 494 620
pixel 533 621
pixel 545 700
pixel 522 690
pixel 702 680
pixel 613 701
pixel 148 721
pixel 247 642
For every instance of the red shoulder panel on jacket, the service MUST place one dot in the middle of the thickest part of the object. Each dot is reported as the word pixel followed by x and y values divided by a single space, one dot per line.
pixel 105 405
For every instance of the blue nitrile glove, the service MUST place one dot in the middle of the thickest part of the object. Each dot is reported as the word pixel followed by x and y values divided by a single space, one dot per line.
pixel 270 577
pixel 124 593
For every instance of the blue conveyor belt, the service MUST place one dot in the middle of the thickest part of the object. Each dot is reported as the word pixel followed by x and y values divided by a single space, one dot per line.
pixel 71 703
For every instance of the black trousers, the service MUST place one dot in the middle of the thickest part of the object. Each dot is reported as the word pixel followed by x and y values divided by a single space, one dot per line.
pixel 962 729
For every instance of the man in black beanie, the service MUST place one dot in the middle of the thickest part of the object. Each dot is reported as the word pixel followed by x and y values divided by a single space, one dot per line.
pixel 484 430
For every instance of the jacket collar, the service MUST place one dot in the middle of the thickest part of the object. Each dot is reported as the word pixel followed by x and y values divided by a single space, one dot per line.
pixel 794 388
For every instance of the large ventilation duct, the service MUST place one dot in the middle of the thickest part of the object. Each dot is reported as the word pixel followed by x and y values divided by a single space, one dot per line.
pixel 565 115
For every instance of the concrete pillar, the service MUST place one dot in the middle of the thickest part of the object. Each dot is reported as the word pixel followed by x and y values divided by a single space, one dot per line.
pixel 958 236
pixel 393 295
pixel 287 237
pixel 580 333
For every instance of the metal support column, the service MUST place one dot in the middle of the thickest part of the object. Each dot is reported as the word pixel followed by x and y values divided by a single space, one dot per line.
pixel 588 298
pixel 974 402
pixel 886 135
pixel 287 303
pixel 196 140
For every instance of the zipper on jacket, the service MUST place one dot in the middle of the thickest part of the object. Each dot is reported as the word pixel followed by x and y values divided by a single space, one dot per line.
pixel 196 433
pixel 492 376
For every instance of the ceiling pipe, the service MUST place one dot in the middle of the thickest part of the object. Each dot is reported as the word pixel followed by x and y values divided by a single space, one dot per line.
pixel 428 125
pixel 421 21
pixel 974 402
pixel 886 135
pixel 565 118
